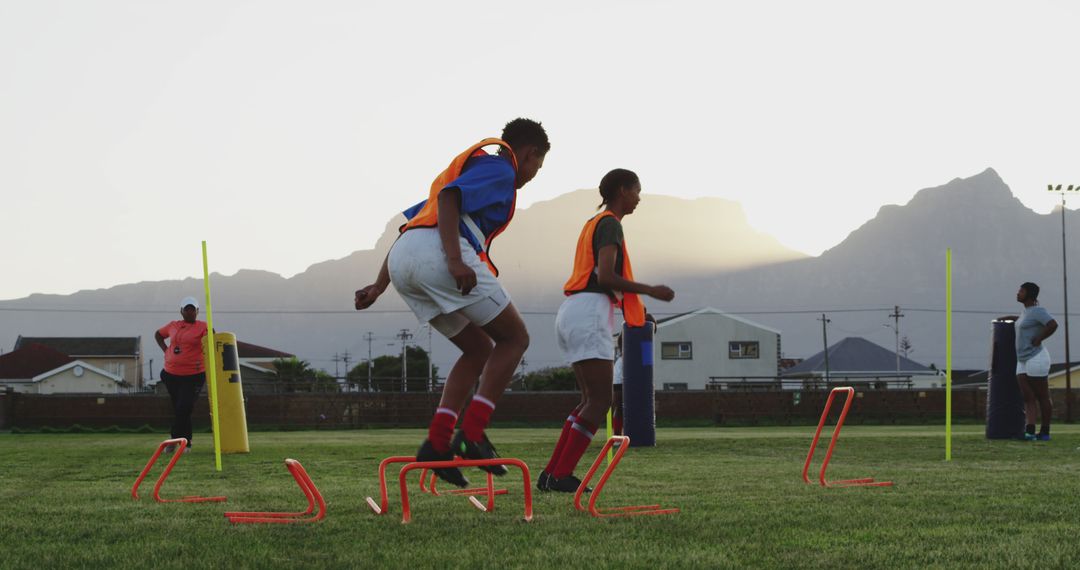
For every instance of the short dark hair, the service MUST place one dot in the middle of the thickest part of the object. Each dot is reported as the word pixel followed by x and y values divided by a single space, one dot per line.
pixel 613 182
pixel 1032 290
pixel 525 132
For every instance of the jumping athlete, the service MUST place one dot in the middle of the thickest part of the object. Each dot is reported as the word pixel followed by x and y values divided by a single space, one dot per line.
pixel 441 267
pixel 602 279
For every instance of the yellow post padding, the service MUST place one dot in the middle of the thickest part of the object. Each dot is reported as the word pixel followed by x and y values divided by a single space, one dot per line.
pixel 232 420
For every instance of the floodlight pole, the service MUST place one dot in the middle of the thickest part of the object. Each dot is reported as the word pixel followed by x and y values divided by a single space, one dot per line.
pixel 1065 287
pixel 825 340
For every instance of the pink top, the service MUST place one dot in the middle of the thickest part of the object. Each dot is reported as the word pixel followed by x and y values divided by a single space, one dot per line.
pixel 184 356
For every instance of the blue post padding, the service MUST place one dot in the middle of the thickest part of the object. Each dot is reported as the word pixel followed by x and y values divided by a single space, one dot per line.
pixel 1004 403
pixel 639 416
pixel 646 352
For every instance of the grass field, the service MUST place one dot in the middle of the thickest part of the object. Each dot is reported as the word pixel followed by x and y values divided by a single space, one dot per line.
pixel 65 503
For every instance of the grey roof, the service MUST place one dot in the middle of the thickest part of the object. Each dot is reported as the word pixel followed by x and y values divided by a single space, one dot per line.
pixel 855 354
pixel 85 346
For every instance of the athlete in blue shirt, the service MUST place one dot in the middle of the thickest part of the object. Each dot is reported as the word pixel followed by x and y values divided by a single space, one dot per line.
pixel 440 267
pixel 1033 326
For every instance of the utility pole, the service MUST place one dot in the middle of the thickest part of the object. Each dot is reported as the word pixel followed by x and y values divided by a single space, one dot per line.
pixel 896 314
pixel 369 337
pixel 430 379
pixel 337 372
pixel 825 340
pixel 345 358
pixel 404 335
pixel 523 364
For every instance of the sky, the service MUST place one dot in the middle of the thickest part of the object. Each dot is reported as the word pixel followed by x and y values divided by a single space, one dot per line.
pixel 289 133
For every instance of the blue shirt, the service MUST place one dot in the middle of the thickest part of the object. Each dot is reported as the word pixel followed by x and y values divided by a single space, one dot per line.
pixel 487 196
pixel 1030 324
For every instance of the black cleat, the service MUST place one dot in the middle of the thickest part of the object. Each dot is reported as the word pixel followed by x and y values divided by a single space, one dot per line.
pixel 482 449
pixel 568 484
pixel 451 475
pixel 542 481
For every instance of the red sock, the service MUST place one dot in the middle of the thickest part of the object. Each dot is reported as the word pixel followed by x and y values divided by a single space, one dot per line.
pixel 581 434
pixel 562 440
pixel 477 416
pixel 616 425
pixel 442 429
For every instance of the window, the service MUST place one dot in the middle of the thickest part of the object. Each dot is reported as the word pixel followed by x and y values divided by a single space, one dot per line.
pixel 676 351
pixel 743 349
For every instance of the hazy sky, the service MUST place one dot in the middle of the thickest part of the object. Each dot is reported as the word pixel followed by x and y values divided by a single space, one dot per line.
pixel 289 133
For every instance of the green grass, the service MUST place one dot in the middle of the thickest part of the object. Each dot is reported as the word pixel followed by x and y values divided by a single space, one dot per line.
pixel 64 502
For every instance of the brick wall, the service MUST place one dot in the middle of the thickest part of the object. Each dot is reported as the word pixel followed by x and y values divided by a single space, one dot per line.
pixel 395 409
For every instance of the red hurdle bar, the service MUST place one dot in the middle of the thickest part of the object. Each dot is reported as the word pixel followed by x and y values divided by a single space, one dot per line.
pixel 865 482
pixel 181 445
pixel 311 492
pixel 630 511
pixel 424 475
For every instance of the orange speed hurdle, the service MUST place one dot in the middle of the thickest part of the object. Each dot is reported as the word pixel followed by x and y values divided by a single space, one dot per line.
pixel 624 444
pixel 866 482
pixel 314 497
pixel 383 506
pixel 181 444
pixel 406 514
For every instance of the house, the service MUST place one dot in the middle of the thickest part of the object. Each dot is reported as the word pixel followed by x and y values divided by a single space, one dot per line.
pixel 692 348
pixel 119 356
pixel 257 372
pixel 857 361
pixel 1057 375
pixel 39 369
pixel 257 362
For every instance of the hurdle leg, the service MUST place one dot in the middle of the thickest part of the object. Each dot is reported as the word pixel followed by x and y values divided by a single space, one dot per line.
pixel 862 482
pixel 383 506
pixel 311 493
pixel 181 444
pixel 634 510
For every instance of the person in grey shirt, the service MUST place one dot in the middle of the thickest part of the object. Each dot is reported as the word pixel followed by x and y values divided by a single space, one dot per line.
pixel 1033 326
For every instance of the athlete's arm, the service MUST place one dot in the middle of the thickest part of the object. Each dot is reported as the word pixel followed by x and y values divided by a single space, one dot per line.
pixel 1049 329
pixel 608 279
pixel 449 217
pixel 366 297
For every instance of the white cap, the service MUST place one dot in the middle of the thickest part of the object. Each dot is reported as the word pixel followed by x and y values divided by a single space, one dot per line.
pixel 188 301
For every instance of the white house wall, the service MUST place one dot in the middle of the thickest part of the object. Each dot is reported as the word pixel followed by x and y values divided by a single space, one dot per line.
pixel 709 334
pixel 67 382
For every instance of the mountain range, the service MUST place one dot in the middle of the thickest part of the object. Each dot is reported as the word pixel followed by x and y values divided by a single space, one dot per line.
pixel 702 248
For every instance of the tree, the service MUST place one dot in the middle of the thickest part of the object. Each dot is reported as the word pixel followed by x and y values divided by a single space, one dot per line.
pixel 551 379
pixel 905 346
pixel 297 375
pixel 386 371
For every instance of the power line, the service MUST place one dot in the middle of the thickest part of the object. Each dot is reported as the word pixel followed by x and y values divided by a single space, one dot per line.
pixel 534 313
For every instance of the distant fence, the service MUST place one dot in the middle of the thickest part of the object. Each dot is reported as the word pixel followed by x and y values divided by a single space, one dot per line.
pixel 337 410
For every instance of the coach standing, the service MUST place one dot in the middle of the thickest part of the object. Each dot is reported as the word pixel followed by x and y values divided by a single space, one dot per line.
pixel 184 372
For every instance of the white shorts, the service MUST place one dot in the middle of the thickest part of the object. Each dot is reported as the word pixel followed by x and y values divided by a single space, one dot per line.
pixel 1037 366
pixel 417 265
pixel 583 327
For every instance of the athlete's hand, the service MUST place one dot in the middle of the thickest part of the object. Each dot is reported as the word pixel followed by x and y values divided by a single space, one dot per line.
pixel 662 292
pixel 463 275
pixel 366 297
